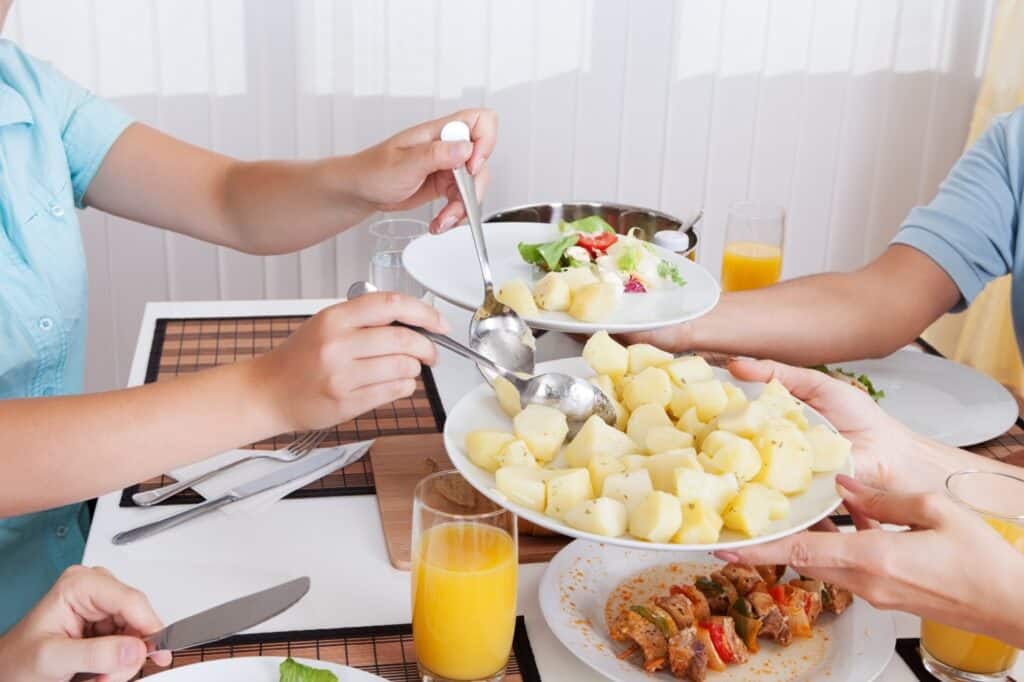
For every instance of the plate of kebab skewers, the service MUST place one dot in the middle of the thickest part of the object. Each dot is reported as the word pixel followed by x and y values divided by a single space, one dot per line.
pixel 637 615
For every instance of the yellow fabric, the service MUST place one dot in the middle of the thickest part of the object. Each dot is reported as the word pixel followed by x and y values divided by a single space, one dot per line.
pixel 983 336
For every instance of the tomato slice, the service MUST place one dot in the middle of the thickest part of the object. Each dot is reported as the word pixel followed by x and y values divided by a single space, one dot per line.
pixel 676 589
pixel 721 645
pixel 778 593
pixel 598 243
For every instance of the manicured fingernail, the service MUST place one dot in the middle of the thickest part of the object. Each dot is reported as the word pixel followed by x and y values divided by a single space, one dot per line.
pixel 447 223
pixel 460 150
pixel 129 653
pixel 731 557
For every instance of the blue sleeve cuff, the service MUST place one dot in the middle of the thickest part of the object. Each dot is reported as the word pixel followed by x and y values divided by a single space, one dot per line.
pixel 947 257
pixel 93 128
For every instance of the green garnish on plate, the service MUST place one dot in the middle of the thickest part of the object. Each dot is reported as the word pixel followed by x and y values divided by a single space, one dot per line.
pixel 293 671
pixel 862 381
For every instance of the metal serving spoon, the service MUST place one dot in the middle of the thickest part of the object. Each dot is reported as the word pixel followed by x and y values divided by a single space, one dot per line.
pixel 496 331
pixel 576 398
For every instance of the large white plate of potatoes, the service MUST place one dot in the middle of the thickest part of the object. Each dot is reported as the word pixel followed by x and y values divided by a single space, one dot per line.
pixel 446 265
pixel 696 460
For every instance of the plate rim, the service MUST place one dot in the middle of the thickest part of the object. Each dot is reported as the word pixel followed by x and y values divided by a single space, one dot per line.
pixel 465 467
pixel 547 597
pixel 575 326
pixel 334 667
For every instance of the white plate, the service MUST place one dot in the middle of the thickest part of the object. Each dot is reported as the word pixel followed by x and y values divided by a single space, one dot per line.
pixel 853 647
pixel 446 265
pixel 479 410
pixel 254 669
pixel 938 398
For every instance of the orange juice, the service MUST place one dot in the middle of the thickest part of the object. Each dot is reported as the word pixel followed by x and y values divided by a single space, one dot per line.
pixel 968 651
pixel 750 265
pixel 464 600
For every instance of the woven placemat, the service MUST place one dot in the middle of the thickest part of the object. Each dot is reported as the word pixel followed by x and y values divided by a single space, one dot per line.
pixel 182 346
pixel 384 650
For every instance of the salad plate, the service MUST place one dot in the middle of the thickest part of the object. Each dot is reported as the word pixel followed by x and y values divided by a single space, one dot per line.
pixel 261 669
pixel 575 591
pixel 480 410
pixel 656 288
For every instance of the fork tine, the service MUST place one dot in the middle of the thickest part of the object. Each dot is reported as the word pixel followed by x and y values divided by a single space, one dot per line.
pixel 299 444
pixel 320 437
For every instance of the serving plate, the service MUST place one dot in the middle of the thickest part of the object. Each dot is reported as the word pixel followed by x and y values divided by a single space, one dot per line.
pixel 479 409
pixel 254 669
pixel 938 398
pixel 446 265
pixel 853 647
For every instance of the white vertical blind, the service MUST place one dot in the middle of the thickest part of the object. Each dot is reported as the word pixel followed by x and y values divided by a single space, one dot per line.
pixel 847 112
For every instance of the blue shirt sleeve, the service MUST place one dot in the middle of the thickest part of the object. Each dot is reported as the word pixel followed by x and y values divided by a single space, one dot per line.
pixel 970 228
pixel 89 125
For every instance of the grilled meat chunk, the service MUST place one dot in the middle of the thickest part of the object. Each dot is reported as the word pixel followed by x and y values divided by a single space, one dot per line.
pixel 679 607
pixel 743 576
pixel 687 657
pixel 771 573
pixel 773 623
pixel 646 635
pixel 812 599
pixel 720 592
pixel 835 599
pixel 701 610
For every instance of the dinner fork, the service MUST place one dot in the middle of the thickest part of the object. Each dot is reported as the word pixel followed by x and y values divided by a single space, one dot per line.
pixel 297 449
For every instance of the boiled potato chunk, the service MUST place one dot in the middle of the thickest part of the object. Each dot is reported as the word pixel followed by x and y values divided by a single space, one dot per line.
pixel 657 518
pixel 516 454
pixel 643 419
pixel 692 424
pixel 482 447
pixel 746 422
pixel 730 453
pixel 780 402
pixel 663 466
pixel 662 438
pixel 681 401
pixel 652 385
pixel 690 369
pixel 629 487
pixel 543 428
pixel 644 355
pixel 552 293
pixel 709 397
pixel 830 449
pixel 601 466
pixel 523 485
pixel 750 511
pixel 593 302
pixel 712 490
pixel 778 505
pixel 787 458
pixel 606 355
pixel 577 278
pixel 606 384
pixel 516 295
pixel 634 462
pixel 596 437
pixel 603 516
pixel 566 489
pixel 701 525
pixel 737 398
pixel 508 396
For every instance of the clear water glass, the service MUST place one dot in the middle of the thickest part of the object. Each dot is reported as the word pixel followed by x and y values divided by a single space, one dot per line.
pixel 391 236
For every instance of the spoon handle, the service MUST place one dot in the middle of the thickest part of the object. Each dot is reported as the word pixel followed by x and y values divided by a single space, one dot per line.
pixel 459 349
pixel 455 131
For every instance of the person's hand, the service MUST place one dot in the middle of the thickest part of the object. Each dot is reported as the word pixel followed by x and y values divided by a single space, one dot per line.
pixel 950 566
pixel 414 166
pixel 347 360
pixel 882 446
pixel 87 623
pixel 674 339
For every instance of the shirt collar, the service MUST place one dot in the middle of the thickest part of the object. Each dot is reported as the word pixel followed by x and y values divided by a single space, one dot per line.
pixel 13 108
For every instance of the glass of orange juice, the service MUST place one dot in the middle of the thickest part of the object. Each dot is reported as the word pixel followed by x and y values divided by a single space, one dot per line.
pixel 754 236
pixel 951 653
pixel 464 568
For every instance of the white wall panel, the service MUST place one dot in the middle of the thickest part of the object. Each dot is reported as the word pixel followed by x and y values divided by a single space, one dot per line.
pixel 847 112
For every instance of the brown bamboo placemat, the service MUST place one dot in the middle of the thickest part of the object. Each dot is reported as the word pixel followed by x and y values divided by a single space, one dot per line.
pixel 182 346
pixel 385 650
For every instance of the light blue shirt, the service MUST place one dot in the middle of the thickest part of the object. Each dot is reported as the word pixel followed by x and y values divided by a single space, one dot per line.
pixel 971 227
pixel 54 135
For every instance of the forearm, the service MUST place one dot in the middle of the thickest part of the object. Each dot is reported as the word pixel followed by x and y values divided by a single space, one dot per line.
pixel 927 464
pixel 65 449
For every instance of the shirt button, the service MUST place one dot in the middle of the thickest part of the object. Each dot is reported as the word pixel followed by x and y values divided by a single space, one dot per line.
pixel 56 209
pixel 62 531
pixel 45 323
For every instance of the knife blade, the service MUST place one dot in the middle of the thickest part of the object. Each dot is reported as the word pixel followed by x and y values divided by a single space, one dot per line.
pixel 229 618
pixel 286 474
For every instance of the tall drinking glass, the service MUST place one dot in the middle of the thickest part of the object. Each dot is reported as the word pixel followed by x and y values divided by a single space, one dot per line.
pixel 951 653
pixel 391 237
pixel 464 566
pixel 754 237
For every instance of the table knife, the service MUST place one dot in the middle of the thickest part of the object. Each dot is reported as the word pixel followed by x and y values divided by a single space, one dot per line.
pixel 285 474
pixel 222 621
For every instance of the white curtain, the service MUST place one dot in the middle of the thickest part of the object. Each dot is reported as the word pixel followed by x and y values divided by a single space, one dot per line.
pixel 848 112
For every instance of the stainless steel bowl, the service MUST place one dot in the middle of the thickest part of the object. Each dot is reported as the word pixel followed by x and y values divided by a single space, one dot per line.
pixel 619 216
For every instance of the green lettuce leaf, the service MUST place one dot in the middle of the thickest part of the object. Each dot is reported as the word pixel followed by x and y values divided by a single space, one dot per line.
pixel 589 225
pixel 629 259
pixel 547 255
pixel 668 271
pixel 292 671
pixel 861 379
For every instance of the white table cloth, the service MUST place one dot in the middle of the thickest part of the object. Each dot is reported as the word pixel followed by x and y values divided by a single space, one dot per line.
pixel 337 541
